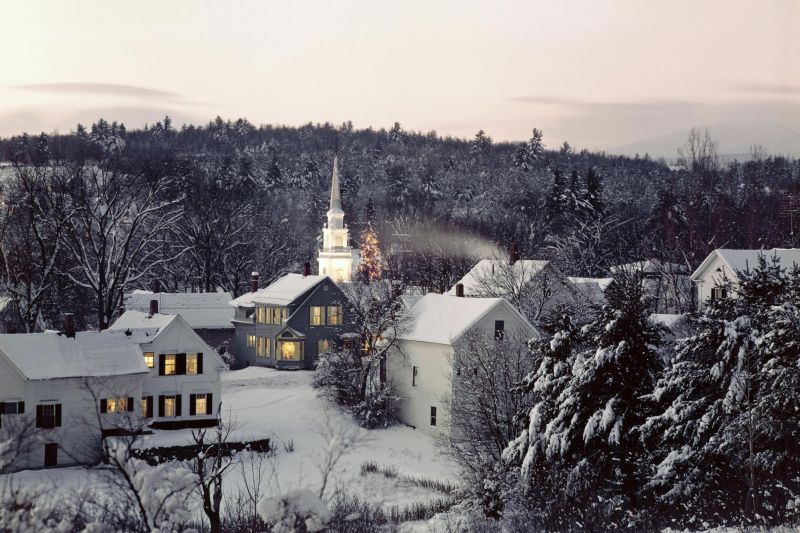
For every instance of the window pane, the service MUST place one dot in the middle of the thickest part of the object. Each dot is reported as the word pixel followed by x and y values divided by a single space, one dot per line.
pixel 149 359
pixel 289 350
pixel 200 405
pixel 334 315
pixel 323 345
pixel 143 407
pixel 169 406
pixel 317 316
pixel 191 363
pixel 169 364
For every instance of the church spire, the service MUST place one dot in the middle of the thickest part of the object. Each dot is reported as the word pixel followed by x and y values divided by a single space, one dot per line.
pixel 336 194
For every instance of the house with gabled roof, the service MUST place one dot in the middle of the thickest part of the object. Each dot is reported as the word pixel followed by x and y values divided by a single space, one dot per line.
pixel 717 277
pixel 290 322
pixel 183 381
pixel 51 385
pixel 534 286
pixel 420 365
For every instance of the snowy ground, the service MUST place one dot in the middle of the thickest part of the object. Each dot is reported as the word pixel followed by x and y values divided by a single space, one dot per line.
pixel 282 405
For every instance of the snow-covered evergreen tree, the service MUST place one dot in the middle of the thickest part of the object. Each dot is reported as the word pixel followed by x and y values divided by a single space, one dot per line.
pixel 728 432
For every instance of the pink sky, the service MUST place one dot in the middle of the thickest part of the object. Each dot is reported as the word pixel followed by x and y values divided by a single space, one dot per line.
pixel 598 73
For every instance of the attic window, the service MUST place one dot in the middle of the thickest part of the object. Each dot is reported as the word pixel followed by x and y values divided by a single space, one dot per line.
pixel 499 329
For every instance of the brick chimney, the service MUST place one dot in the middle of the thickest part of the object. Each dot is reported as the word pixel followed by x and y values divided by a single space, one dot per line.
pixel 69 325
pixel 156 286
pixel 306 269
pixel 460 290
pixel 153 307
pixel 513 253
pixel 11 326
pixel 254 282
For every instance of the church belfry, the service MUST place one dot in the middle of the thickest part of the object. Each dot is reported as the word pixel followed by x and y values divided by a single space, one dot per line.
pixel 337 258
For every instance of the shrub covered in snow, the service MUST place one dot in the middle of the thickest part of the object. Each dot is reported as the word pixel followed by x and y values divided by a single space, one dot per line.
pixel 297 511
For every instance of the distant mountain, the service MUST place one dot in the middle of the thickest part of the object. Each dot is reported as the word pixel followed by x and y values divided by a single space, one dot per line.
pixel 735 139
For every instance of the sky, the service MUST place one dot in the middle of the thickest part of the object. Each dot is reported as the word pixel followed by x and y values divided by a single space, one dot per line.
pixel 598 73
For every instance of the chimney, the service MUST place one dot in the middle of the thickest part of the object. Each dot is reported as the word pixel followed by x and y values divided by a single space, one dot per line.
pixel 254 282
pixel 306 269
pixel 156 286
pixel 153 307
pixel 513 255
pixel 460 290
pixel 69 325
pixel 11 326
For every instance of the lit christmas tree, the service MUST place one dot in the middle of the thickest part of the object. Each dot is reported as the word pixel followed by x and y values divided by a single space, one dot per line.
pixel 371 265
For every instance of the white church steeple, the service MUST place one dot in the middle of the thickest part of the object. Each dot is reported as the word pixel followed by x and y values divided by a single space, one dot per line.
pixel 337 258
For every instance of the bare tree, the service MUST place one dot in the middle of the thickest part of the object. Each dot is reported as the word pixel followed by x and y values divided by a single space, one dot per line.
pixel 116 236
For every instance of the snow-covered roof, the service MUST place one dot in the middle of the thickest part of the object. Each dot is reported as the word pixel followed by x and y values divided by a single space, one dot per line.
pixel 592 289
pixel 651 266
pixel 143 327
pixel 199 309
pixel 282 291
pixel 88 354
pixel 443 319
pixel 476 278
pixel 739 260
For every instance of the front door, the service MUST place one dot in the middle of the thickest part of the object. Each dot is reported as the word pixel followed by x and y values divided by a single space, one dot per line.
pixel 51 454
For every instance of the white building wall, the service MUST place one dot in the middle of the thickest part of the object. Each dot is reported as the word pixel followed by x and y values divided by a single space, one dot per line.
pixel 79 435
pixel 714 275
pixel 180 338
pixel 435 370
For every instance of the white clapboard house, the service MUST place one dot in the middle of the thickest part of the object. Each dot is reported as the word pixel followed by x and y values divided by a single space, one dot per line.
pixel 717 276
pixel 182 384
pixel 51 388
pixel 420 365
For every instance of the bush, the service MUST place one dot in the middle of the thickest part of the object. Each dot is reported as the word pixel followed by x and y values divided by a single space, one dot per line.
pixel 338 378
pixel 377 410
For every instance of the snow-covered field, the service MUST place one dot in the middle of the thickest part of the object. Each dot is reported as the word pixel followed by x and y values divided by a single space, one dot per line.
pixel 281 405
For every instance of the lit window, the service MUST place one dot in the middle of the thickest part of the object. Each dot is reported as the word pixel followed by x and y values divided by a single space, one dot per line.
pixel 323 345
pixel 334 315
pixel 276 315
pixel 317 316
pixel 289 350
pixel 169 405
pixel 263 347
pixel 143 406
pixel 201 404
pixel 191 363
pixel 251 341
pixel 149 359
pixel 116 405
pixel 261 315
pixel 285 313
pixel 169 364
pixel 433 416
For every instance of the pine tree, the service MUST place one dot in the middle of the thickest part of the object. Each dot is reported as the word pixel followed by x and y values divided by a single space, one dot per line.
pixel 535 146
pixel 593 192
pixel 557 201
pixel 581 448
pixel 728 433
pixel 371 267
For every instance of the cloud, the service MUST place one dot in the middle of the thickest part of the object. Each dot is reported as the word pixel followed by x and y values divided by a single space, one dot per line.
pixel 111 89
pixel 775 89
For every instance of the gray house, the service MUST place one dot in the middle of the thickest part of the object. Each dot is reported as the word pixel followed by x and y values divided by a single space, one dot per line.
pixel 290 322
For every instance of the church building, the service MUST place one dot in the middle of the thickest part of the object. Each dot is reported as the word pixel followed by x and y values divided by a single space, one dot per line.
pixel 337 259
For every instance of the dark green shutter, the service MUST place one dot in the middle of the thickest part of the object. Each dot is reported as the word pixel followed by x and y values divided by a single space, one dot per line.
pixel 161 364
pixel 200 363
pixel 21 408
pixel 58 415
pixel 160 406
pixel 149 407
pixel 103 406
pixel 40 416
pixel 209 403
pixel 178 410
pixel 130 405
pixel 192 404
pixel 180 364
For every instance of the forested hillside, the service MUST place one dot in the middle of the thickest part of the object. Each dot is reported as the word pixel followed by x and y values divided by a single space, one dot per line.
pixel 104 210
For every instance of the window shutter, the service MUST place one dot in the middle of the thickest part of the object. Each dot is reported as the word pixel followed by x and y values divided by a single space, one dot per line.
pixel 130 405
pixel 149 407
pixel 200 362
pixel 192 404
pixel 58 415
pixel 209 403
pixel 104 406
pixel 21 408
pixel 2 407
pixel 160 406
pixel 161 364
pixel 178 410
pixel 180 364
pixel 39 416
